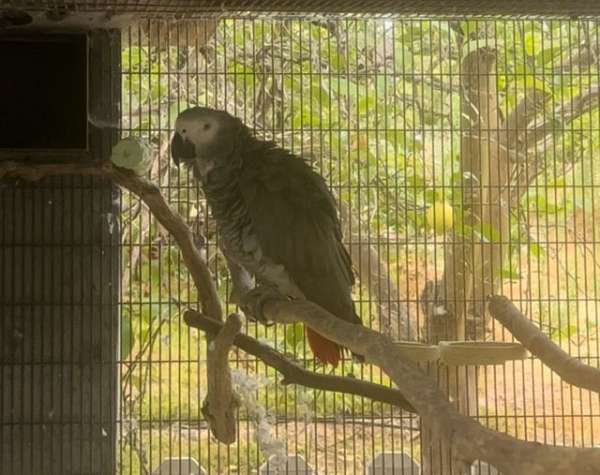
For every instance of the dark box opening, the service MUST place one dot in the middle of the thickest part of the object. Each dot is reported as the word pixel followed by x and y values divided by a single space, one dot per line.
pixel 43 92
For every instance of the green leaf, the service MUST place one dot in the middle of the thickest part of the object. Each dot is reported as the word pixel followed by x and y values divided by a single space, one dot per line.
pixel 543 205
pixel 536 250
pixel 366 104
pixel 469 27
pixel 468 232
pixel 490 232
pixel 548 55
pixel 403 59
pixel 342 87
pixel 511 274
pixel 531 81
pixel 294 334
pixel 381 84
pixel 432 195
pixel 532 42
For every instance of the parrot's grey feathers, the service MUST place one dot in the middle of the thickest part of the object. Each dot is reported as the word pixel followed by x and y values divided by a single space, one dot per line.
pixel 276 216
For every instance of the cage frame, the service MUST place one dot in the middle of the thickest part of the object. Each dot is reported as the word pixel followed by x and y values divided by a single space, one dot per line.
pixel 105 140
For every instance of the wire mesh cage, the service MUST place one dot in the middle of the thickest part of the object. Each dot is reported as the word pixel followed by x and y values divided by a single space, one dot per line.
pixel 462 155
pixel 378 107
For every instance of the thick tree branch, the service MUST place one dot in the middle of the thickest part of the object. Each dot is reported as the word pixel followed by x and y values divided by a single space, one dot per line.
pixel 469 440
pixel 586 55
pixel 295 374
pixel 570 369
pixel 514 132
pixel 221 401
pixel 180 231
pixel 562 116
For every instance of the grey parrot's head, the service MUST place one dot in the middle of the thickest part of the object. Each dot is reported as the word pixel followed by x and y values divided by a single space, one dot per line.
pixel 204 138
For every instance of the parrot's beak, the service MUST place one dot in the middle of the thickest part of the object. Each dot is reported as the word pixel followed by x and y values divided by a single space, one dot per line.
pixel 181 149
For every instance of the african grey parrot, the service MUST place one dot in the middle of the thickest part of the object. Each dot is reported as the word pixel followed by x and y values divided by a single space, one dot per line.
pixel 276 218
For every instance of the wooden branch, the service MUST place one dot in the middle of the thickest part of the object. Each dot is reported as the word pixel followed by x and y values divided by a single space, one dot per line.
pixel 587 55
pixel 295 374
pixel 515 126
pixel 156 172
pixel 570 369
pixel 219 407
pixel 563 115
pixel 150 194
pixel 469 441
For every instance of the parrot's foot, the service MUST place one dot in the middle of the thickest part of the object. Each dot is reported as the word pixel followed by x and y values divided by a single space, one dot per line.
pixel 252 302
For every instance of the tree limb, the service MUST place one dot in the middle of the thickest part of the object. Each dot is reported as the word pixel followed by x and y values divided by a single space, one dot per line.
pixel 570 369
pixel 469 441
pixel 219 407
pixel 563 115
pixel 150 194
pixel 295 374
pixel 587 55
pixel 513 135
pixel 156 172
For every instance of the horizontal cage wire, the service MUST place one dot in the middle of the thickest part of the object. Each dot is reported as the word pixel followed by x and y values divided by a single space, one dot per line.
pixel 61 9
pixel 462 156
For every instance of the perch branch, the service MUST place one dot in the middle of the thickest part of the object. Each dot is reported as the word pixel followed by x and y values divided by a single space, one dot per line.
pixel 295 374
pixel 221 401
pixel 155 173
pixel 570 369
pixel 150 194
pixel 469 440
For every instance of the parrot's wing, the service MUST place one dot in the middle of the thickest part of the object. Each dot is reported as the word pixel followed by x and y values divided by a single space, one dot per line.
pixel 295 219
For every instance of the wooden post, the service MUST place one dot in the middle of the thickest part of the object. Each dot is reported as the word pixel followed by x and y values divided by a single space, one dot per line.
pixel 472 264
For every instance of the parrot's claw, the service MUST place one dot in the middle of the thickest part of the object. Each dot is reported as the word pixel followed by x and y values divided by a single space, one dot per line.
pixel 252 302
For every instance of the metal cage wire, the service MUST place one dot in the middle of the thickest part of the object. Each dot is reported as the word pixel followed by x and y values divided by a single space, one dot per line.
pixel 375 105
pixel 378 106
pixel 58 10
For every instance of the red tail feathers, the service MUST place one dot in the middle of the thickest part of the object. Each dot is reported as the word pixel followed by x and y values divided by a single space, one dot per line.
pixel 325 350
